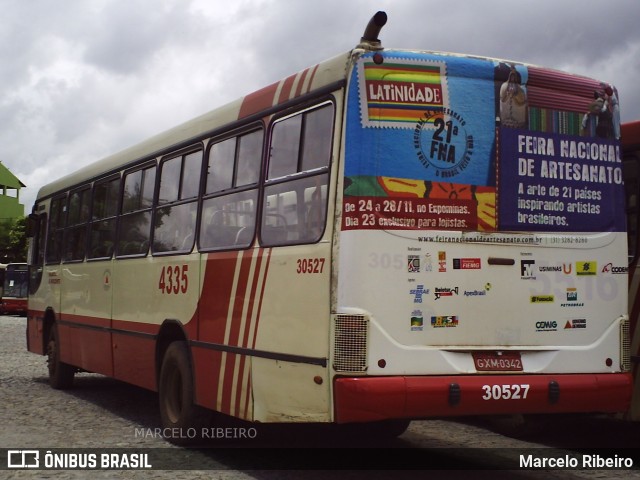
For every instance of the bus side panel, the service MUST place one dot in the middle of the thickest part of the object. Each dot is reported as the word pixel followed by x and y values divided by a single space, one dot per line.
pixel 46 298
pixel 35 331
pixel 86 311
pixel 228 311
pixel 294 320
pixel 147 292
pixel 134 354
pixel 89 342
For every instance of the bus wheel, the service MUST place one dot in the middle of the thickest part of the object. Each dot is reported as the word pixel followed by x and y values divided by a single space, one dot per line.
pixel 60 374
pixel 182 420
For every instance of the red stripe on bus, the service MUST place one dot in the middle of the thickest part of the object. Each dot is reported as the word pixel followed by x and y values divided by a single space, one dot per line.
pixel 213 309
pixel 300 85
pixel 214 299
pixel 258 101
pixel 241 410
pixel 285 92
pixel 313 74
pixel 236 305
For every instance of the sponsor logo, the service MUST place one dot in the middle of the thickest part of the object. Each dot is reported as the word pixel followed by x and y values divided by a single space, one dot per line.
pixel 417 321
pixel 576 323
pixel 477 293
pixel 527 267
pixel 549 268
pixel 445 292
pixel 572 299
pixel 542 299
pixel 418 292
pixel 428 263
pixel 609 268
pixel 467 264
pixel 444 321
pixel 474 293
pixel 442 261
pixel 586 268
pixel 547 326
pixel 413 264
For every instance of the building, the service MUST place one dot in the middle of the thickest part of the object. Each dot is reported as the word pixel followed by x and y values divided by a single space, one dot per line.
pixel 10 206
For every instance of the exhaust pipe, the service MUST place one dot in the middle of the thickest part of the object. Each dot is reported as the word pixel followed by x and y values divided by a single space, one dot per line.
pixel 369 40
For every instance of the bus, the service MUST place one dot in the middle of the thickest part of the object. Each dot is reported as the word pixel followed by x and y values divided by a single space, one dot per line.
pixel 631 164
pixel 3 267
pixel 15 289
pixel 387 235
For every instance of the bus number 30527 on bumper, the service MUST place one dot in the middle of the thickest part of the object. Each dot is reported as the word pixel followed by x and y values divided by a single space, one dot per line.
pixel 505 392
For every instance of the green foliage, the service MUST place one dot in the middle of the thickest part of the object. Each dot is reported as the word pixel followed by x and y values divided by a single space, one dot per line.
pixel 13 241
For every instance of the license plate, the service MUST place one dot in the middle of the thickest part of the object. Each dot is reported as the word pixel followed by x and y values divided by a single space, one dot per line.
pixel 497 362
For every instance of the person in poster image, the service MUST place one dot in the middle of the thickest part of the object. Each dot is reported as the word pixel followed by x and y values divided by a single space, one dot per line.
pixel 510 96
pixel 603 118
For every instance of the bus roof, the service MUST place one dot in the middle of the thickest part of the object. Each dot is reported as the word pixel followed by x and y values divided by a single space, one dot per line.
pixel 244 110
pixel 188 133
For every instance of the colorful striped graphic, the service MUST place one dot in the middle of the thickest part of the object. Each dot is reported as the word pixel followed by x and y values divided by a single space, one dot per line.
pixel 554 121
pixel 398 93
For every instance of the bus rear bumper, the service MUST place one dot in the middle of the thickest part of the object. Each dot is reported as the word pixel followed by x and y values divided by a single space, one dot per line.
pixel 364 399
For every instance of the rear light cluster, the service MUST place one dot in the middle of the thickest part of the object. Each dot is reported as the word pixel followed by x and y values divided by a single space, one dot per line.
pixel 350 343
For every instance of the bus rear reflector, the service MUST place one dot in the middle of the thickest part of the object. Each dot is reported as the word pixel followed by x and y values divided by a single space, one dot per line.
pixel 350 343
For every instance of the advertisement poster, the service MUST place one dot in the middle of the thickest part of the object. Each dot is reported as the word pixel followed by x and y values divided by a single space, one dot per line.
pixel 446 142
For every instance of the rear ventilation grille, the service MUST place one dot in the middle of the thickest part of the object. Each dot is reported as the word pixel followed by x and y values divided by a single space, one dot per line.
pixel 350 343
pixel 625 346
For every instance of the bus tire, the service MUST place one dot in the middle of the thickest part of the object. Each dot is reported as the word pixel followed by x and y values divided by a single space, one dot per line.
pixel 60 373
pixel 182 420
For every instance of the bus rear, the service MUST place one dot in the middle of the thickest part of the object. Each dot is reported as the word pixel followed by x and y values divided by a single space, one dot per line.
pixel 16 287
pixel 482 250
pixel 631 162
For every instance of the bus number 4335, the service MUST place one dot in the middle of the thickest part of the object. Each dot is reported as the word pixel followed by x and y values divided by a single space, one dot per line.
pixel 174 279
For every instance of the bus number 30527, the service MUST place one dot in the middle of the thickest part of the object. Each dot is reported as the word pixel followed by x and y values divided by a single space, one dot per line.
pixel 505 392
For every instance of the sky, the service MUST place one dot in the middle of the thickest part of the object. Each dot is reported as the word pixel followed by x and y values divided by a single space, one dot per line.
pixel 83 79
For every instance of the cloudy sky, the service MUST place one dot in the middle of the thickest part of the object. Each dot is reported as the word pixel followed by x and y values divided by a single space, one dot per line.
pixel 81 79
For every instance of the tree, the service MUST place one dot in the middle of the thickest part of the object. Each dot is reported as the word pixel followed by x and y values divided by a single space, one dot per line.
pixel 13 241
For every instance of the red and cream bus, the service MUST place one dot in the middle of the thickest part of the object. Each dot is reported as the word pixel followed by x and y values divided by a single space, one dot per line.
pixel 631 162
pixel 385 236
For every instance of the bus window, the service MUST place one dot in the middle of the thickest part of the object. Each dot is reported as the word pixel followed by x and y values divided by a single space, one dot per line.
pixel 76 233
pixel 56 229
pixel 296 189
pixel 135 223
pixel 103 219
pixel 177 203
pixel 37 251
pixel 229 208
